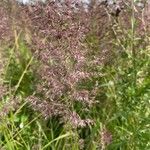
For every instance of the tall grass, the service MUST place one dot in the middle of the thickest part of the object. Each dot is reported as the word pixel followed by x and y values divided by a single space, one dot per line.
pixel 116 117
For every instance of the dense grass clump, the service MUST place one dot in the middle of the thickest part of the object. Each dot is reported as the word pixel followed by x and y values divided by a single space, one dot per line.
pixel 74 75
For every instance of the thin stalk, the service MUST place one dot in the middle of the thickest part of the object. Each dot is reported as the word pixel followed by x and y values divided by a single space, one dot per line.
pixel 12 51
pixel 134 55
pixel 22 76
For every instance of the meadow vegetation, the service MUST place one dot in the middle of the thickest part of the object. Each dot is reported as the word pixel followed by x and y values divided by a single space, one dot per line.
pixel 75 76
